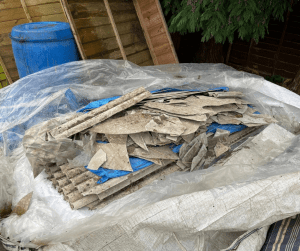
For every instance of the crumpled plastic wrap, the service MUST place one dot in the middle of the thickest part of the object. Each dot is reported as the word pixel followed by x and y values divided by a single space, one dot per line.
pixel 203 210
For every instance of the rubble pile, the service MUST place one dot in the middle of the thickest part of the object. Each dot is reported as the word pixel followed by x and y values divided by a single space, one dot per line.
pixel 133 139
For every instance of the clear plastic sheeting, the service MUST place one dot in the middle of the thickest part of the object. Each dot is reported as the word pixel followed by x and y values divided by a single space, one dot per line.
pixel 203 210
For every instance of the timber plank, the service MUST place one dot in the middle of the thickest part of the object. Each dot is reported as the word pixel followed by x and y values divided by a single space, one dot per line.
pixel 147 63
pixel 9 62
pixel 45 10
pixel 160 39
pixel 162 49
pixel 152 17
pixel 139 57
pixel 39 2
pixel 51 18
pixel 99 21
pixel 12 14
pixel 166 58
pixel 101 32
pixel 156 30
pixel 10 4
pixel 100 6
pixel 13 73
pixel 6 51
pixel 6 27
pixel 5 39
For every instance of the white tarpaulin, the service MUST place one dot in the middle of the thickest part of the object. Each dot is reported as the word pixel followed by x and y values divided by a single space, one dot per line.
pixel 229 205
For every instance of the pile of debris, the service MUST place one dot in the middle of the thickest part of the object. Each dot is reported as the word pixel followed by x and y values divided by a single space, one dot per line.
pixel 94 157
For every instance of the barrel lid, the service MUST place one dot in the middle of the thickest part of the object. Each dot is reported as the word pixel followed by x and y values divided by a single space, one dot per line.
pixel 42 31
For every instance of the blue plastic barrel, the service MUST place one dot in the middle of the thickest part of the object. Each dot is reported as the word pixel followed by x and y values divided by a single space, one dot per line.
pixel 41 45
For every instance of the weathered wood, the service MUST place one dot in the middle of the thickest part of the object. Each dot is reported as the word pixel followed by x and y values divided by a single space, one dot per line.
pixel 147 63
pixel 109 46
pixel 26 11
pixel 10 4
pixel 92 114
pixel 104 20
pixel 99 6
pixel 45 9
pixel 106 31
pixel 111 18
pixel 51 18
pixel 6 27
pixel 70 19
pixel 38 2
pixel 162 49
pixel 13 74
pixel 159 40
pixel 5 71
pixel 6 51
pixel 12 14
pixel 140 57
pixel 146 34
pixel 9 62
pixel 165 58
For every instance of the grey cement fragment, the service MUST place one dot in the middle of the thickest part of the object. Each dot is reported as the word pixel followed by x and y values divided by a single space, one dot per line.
pixel 162 152
pixel 117 138
pixel 199 157
pixel 138 139
pixel 172 138
pixel 166 125
pixel 183 150
pixel 226 94
pixel 220 149
pixel 224 120
pixel 98 160
pixel 148 138
pixel 117 156
pixel 130 124
pixel 188 157
pixel 188 138
pixel 181 165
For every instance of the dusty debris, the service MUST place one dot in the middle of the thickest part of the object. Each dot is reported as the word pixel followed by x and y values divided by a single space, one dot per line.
pixel 100 114
pixel 139 140
pixel 220 149
pixel 162 152
pixel 23 205
pixel 140 125
pixel 130 124
pixel 117 156
pixel 98 160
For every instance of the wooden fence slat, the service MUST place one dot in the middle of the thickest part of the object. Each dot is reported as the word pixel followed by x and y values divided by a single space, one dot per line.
pixel 45 9
pixel 5 71
pixel 10 4
pixel 70 19
pixel 51 18
pixel 39 2
pixel 26 11
pixel 111 18
pixel 146 34
pixel 6 27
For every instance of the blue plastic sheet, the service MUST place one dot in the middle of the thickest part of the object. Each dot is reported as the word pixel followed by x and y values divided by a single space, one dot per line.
pixel 136 164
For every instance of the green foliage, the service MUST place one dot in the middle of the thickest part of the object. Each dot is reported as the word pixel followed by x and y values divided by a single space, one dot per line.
pixel 222 18
pixel 276 79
